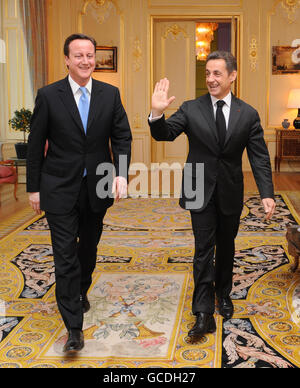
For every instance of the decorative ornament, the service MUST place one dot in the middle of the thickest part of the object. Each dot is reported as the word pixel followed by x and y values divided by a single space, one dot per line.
pixel 175 30
pixel 101 9
pixel 253 54
pixel 291 6
pixel 137 54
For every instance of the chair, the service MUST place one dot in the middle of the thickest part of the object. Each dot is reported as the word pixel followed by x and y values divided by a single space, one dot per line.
pixel 8 174
pixel 293 239
pixel 8 151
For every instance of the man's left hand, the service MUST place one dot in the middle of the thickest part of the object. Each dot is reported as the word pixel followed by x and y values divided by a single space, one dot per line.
pixel 269 206
pixel 119 188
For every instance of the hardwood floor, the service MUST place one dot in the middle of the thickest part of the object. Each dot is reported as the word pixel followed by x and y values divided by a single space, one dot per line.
pixel 8 206
pixel 283 181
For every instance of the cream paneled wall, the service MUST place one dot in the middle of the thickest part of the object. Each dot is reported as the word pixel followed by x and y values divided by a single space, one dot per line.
pixel 280 85
pixel 106 25
pixel 129 24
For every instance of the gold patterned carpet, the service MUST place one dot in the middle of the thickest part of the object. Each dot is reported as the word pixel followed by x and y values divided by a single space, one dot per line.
pixel 142 289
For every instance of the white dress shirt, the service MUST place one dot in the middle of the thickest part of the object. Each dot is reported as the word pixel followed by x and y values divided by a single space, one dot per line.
pixel 214 100
pixel 76 89
pixel 78 93
pixel 119 183
pixel 226 106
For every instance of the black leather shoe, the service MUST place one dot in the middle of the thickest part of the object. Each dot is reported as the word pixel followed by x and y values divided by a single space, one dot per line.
pixel 226 308
pixel 85 303
pixel 205 323
pixel 75 341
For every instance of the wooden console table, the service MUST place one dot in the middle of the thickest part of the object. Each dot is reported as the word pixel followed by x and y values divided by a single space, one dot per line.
pixel 287 146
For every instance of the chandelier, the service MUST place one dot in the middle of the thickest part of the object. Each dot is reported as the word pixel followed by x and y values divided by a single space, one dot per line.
pixel 204 37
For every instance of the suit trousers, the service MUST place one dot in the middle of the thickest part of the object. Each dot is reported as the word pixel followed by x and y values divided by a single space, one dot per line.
pixel 75 237
pixel 214 234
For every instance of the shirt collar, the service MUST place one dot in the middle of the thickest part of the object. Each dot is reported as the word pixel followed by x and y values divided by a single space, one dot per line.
pixel 226 99
pixel 75 87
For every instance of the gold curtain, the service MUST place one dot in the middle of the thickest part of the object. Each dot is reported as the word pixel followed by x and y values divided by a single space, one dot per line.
pixel 34 17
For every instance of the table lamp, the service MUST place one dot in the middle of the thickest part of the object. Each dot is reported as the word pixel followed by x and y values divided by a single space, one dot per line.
pixel 2 51
pixel 294 103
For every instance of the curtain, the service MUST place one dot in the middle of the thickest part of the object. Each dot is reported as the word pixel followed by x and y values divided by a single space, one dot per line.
pixel 35 31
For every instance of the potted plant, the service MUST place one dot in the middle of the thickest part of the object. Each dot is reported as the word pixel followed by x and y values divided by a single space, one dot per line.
pixel 21 122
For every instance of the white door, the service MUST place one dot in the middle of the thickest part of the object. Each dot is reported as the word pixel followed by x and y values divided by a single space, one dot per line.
pixel 174 57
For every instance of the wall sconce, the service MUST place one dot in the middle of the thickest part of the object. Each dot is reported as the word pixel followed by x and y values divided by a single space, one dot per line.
pixel 204 37
pixel 294 103
pixel 2 51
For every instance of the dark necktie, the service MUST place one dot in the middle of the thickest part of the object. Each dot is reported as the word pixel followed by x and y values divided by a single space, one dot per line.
pixel 221 123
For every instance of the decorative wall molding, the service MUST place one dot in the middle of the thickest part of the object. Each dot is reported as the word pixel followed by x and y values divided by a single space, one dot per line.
pixel 137 121
pixel 175 30
pixel 137 55
pixel 253 54
pixel 194 3
pixel 101 10
pixel 290 8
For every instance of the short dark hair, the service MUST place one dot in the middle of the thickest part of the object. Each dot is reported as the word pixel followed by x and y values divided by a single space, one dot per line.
pixel 74 37
pixel 230 60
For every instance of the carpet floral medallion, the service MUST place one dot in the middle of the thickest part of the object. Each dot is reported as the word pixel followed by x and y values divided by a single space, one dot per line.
pixel 132 316
pixel 142 292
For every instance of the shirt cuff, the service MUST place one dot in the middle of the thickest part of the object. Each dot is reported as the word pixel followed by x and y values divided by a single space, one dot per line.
pixel 153 119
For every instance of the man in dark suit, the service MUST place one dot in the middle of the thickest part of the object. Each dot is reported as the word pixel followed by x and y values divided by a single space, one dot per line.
pixel 77 117
pixel 219 127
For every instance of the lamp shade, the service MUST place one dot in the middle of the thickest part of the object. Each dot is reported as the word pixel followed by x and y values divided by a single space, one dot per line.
pixel 294 99
pixel 2 51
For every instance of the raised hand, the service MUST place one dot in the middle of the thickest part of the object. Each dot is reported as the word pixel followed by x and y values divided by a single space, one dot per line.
pixel 160 100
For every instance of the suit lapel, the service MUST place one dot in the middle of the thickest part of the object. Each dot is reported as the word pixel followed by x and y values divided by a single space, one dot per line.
pixel 235 112
pixel 208 113
pixel 68 100
pixel 95 105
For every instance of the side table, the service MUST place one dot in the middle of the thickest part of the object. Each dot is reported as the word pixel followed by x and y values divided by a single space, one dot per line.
pixel 287 146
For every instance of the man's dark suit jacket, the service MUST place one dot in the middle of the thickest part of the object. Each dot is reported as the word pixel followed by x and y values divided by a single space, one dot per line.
pixel 58 176
pixel 222 167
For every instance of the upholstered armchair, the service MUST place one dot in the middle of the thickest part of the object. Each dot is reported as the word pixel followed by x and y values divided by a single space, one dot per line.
pixel 8 174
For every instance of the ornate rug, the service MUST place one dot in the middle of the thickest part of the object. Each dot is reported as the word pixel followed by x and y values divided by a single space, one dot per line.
pixel 142 290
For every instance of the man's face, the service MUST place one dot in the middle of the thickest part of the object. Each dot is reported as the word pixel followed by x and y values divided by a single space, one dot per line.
pixel 81 60
pixel 218 80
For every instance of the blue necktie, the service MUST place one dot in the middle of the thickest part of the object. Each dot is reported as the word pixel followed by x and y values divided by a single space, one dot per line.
pixel 83 107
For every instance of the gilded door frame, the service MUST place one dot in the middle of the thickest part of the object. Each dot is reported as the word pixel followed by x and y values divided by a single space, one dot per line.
pixel 238 32
pixel 236 19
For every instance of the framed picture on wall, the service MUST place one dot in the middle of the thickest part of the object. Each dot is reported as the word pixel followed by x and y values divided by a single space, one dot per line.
pixel 285 60
pixel 106 59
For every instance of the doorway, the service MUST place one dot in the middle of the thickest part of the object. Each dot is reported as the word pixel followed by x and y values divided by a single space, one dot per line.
pixel 221 41
pixel 173 46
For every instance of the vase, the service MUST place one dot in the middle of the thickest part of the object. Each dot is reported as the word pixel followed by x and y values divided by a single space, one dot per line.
pixel 285 124
pixel 297 120
pixel 21 150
